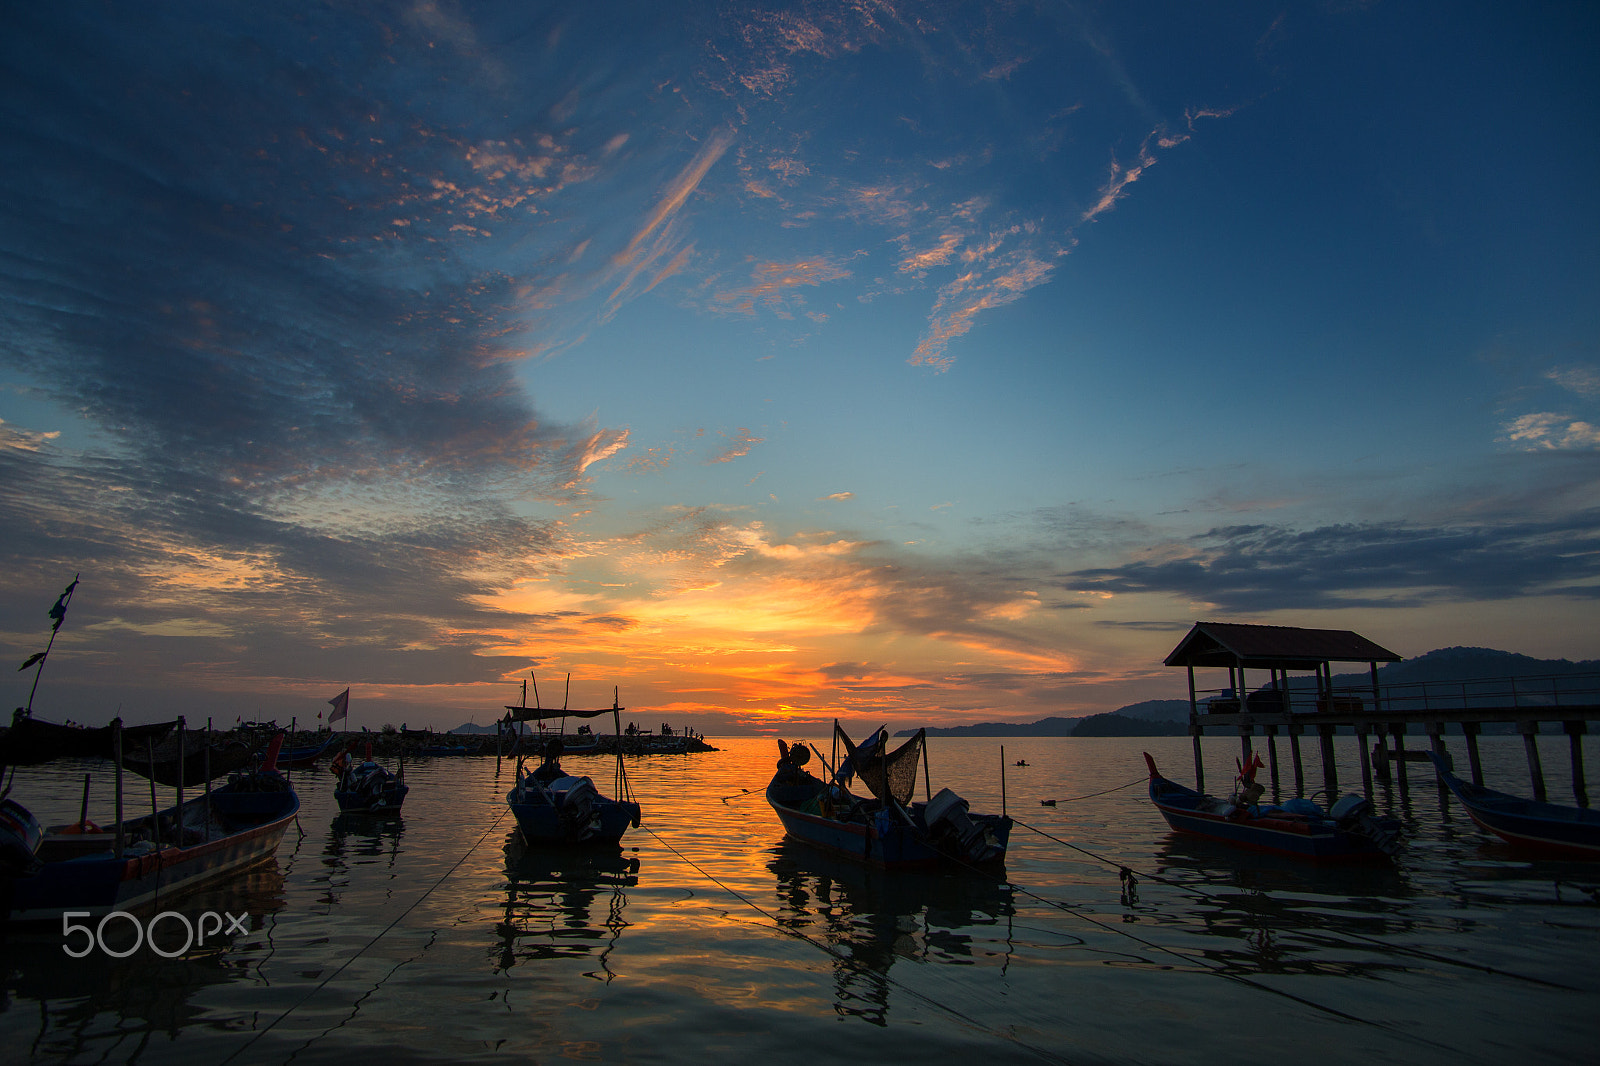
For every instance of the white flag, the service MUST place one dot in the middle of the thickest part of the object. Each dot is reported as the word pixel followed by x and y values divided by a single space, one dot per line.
pixel 341 706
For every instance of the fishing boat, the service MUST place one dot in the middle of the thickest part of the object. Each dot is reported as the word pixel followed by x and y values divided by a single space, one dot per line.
pixel 294 758
pixel 1550 828
pixel 884 829
pixel 1349 829
pixel 202 758
pixel 366 787
pixel 91 871
pixel 444 750
pixel 554 807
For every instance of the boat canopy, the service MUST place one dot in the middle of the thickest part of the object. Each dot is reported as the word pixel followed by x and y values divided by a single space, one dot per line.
pixel 32 741
pixel 540 714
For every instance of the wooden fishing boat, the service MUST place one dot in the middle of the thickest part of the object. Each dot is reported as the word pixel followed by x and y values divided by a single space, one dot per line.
pixel 295 758
pixel 80 868
pixel 31 741
pixel 446 750
pixel 1549 828
pixel 885 829
pixel 366 787
pixel 202 759
pixel 1349 830
pixel 553 807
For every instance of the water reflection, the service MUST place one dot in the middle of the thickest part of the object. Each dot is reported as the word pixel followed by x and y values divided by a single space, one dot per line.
pixel 358 838
pixel 868 919
pixel 99 1007
pixel 563 903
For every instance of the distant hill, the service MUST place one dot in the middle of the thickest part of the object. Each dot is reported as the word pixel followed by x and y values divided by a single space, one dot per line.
pixel 1045 727
pixel 1120 725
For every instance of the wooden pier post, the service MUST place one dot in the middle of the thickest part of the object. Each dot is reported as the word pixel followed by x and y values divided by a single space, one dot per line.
pixel 1398 731
pixel 1380 758
pixel 1436 744
pixel 1199 763
pixel 1294 754
pixel 1366 759
pixel 1330 773
pixel 1471 730
pixel 1272 758
pixel 1530 744
pixel 1245 733
pixel 1575 732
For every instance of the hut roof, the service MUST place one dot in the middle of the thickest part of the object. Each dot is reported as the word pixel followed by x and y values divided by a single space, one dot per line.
pixel 1284 647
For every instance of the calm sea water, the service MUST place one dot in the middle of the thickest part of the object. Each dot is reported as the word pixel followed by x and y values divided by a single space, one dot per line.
pixel 706 938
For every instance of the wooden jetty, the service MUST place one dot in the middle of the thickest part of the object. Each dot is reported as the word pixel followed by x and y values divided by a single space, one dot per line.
pixel 1285 705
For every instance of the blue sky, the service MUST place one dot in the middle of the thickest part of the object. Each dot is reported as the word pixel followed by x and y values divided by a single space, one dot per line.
pixel 917 362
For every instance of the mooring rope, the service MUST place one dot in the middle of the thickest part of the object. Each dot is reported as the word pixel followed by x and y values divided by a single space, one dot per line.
pixel 1400 949
pixel 242 1048
pixel 779 926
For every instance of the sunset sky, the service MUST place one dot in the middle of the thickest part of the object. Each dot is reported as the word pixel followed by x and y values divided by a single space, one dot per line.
pixel 898 362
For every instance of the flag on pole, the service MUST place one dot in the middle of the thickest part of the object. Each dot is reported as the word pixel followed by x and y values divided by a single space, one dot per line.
pixel 341 706
pixel 59 611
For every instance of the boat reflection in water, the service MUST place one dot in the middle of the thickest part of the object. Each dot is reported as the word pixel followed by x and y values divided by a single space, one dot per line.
pixel 868 919
pixel 358 838
pixel 1275 914
pixel 563 903
pixel 99 1008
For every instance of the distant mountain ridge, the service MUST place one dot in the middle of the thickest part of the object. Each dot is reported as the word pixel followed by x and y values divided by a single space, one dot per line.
pixel 1171 717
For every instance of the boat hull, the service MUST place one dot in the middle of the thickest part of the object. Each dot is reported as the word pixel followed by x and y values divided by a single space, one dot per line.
pixel 880 842
pixel 1549 828
pixel 99 883
pixel 1317 840
pixel 388 801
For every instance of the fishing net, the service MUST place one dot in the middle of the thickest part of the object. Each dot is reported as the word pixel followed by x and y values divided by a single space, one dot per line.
pixel 891 776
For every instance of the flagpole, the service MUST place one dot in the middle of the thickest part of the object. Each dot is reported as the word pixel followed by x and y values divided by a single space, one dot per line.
pixel 66 598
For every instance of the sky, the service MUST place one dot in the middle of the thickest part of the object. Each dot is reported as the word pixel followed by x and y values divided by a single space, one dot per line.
pixel 763 364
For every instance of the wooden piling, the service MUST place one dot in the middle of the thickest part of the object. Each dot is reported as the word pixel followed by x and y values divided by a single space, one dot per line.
pixel 1575 732
pixel 1471 731
pixel 1436 745
pixel 1272 757
pixel 1294 754
pixel 1530 744
pixel 1398 731
pixel 1199 763
pixel 1330 773
pixel 1366 759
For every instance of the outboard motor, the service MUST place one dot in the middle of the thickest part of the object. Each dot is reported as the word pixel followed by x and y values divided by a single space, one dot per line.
pixel 1354 814
pixel 20 837
pixel 576 803
pixel 949 822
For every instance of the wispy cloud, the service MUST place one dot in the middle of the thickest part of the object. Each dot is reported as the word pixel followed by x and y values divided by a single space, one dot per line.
pixel 776 286
pixel 743 441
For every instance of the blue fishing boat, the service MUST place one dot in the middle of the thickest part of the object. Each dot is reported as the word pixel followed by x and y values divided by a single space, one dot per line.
pixel 306 756
pixel 885 828
pixel 366 787
pixel 1349 830
pixel 84 869
pixel 1550 828
pixel 554 807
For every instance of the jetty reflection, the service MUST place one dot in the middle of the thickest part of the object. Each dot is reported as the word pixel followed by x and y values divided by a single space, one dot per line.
pixel 869 919
pixel 563 903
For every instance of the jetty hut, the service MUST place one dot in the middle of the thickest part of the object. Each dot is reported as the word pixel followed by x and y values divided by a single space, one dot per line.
pixel 1281 651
